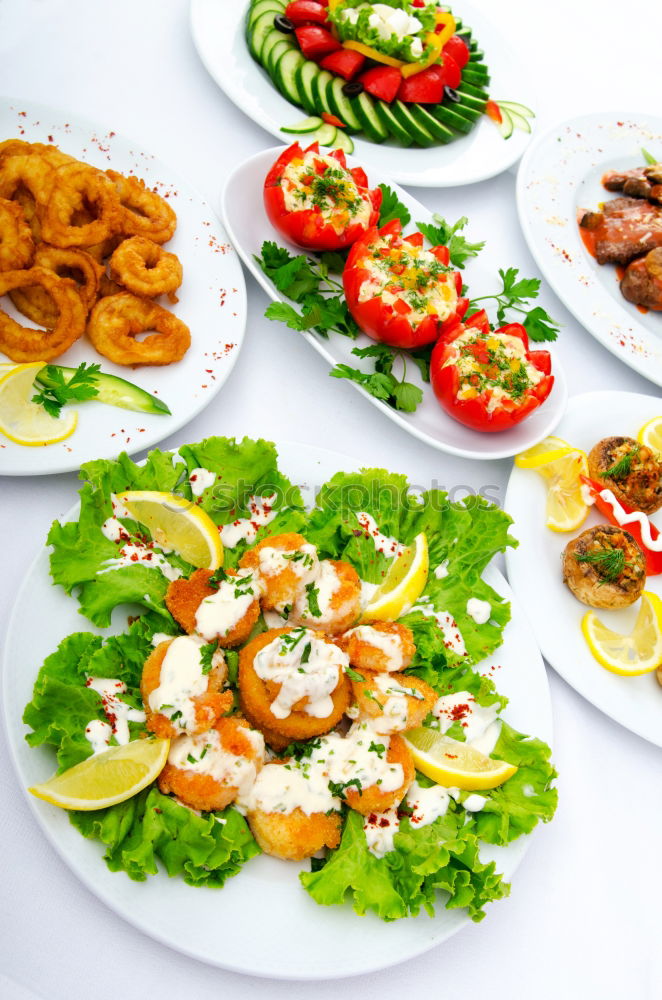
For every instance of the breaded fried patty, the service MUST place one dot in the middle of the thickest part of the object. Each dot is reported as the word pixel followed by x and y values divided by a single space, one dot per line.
pixel 379 646
pixel 371 798
pixel 394 702
pixel 185 597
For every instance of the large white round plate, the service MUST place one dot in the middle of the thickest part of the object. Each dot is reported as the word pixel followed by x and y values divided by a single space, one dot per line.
pixel 212 302
pixel 248 227
pixel 534 570
pixel 558 177
pixel 304 940
pixel 218 34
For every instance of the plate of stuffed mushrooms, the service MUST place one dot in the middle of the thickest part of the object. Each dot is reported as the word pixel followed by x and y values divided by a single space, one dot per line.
pixel 603 576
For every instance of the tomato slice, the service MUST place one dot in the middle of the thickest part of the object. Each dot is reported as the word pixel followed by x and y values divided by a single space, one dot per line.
pixel 305 12
pixel 458 50
pixel 382 82
pixel 344 62
pixel 315 41
pixel 426 87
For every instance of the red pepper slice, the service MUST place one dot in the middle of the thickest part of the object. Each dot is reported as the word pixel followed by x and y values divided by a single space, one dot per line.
pixel 380 320
pixel 653 559
pixel 383 82
pixel 307 228
pixel 332 120
pixel 344 62
pixel 315 41
pixel 477 411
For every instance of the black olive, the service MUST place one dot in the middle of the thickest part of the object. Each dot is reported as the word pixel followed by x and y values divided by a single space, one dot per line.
pixel 353 88
pixel 452 95
pixel 282 23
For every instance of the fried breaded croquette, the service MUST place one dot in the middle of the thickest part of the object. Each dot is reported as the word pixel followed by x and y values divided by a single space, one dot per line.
pixel 379 797
pixel 179 695
pixel 222 606
pixel 332 601
pixel 379 646
pixel 393 702
pixel 285 563
pixel 209 770
pixel 292 683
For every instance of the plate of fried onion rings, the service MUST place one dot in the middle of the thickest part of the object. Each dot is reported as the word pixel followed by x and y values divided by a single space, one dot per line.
pixel 108 257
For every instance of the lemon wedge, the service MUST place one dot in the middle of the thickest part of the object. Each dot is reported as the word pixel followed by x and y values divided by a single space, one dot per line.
pixel 176 523
pixel 23 421
pixel 651 435
pixel 454 764
pixel 404 584
pixel 106 778
pixel 542 453
pixel 636 652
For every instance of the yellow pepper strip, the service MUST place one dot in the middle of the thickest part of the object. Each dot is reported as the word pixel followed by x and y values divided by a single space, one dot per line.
pixel 370 53
pixel 435 42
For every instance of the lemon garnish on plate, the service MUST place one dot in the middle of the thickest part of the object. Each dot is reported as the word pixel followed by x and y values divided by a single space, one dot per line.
pixel 542 453
pixel 651 435
pixel 452 763
pixel 560 465
pixel 23 421
pixel 176 523
pixel 106 778
pixel 404 583
pixel 633 653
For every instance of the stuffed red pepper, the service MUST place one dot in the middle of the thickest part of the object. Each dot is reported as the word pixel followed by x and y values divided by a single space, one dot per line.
pixel 397 291
pixel 489 379
pixel 316 202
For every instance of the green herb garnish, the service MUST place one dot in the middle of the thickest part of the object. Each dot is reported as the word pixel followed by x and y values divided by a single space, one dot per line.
pixel 206 656
pixel 312 596
pixel 609 563
pixel 516 295
pixel 447 235
pixel 622 468
pixel 78 387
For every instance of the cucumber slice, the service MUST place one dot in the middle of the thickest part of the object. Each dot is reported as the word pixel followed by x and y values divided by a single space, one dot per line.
pixel 419 133
pixel 304 76
pixel 341 104
pixel 473 90
pixel 449 116
pixel 304 126
pixel 470 101
pixel 111 389
pixel 284 74
pixel 433 125
pixel 372 124
pixel 506 126
pixel 344 141
pixel 320 84
pixel 477 74
pixel 326 135
pixel 519 121
pixel 274 7
pixel 261 28
pixel 391 123
pixel 272 51
pixel 518 109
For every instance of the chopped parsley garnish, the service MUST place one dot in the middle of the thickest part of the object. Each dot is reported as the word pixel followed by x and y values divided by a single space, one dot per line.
pixel 307 649
pixel 353 674
pixel 290 641
pixel 377 748
pixel 206 656
pixel 312 597
pixel 218 577
pixel 338 788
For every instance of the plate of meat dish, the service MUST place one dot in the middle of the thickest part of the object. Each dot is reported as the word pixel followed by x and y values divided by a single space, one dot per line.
pixel 599 571
pixel 438 92
pixel 434 335
pixel 110 259
pixel 288 736
pixel 589 196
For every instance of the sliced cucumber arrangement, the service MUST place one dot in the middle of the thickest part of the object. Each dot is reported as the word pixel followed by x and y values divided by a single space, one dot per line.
pixel 317 91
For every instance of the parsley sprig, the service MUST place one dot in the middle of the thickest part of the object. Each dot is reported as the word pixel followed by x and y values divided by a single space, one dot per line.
pixel 449 235
pixel 392 208
pixel 382 383
pixel 78 387
pixel 516 294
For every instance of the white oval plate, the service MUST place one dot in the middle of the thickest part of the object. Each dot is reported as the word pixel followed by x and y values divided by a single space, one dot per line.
pixel 304 940
pixel 559 175
pixel 218 35
pixel 212 279
pixel 534 570
pixel 248 227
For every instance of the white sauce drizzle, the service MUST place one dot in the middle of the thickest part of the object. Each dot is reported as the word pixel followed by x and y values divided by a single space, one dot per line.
pixel 441 571
pixel 200 480
pixel 479 610
pixel 160 637
pixel 204 754
pixel 245 529
pixel 380 829
pixel 118 713
pixel 452 636
pixel 181 680
pixel 326 584
pixel 624 520
pixel 388 643
pixel 395 713
pixel 219 613
pixel 479 722
pixel 390 547
pixel 282 662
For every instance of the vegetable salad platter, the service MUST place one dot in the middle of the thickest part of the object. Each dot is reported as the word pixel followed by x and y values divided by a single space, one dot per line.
pixel 93 211
pixel 586 507
pixel 427 84
pixel 401 349
pixel 292 760
pixel 570 189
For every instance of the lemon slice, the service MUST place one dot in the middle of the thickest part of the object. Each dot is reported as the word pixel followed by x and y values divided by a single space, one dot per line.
pixel 637 652
pixel 542 453
pixel 23 421
pixel 651 435
pixel 106 778
pixel 454 764
pixel 404 584
pixel 176 523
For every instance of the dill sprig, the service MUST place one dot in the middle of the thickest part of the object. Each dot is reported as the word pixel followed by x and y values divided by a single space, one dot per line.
pixel 609 563
pixel 622 468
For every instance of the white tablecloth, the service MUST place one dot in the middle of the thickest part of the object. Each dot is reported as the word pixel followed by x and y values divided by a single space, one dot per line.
pixel 583 917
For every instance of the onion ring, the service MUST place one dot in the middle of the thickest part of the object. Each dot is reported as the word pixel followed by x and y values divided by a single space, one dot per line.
pixel 79 188
pixel 144 212
pixel 37 304
pixel 21 343
pixel 116 320
pixel 16 243
pixel 145 268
